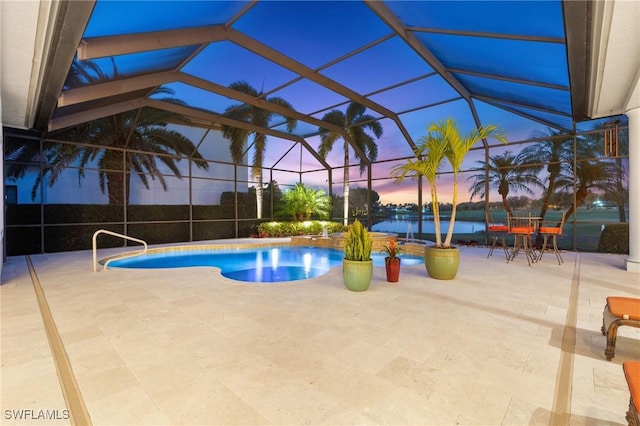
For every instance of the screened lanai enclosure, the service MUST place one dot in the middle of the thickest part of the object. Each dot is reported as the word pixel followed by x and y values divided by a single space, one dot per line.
pixel 175 121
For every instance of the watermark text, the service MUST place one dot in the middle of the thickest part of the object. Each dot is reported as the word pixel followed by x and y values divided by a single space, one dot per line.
pixel 34 414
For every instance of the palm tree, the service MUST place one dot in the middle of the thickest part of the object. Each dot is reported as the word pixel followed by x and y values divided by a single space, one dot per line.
pixel 589 173
pixel 354 122
pixel 137 139
pixel 302 202
pixel 238 137
pixel 616 188
pixel 505 173
pixel 430 152
pixel 556 150
pixel 443 140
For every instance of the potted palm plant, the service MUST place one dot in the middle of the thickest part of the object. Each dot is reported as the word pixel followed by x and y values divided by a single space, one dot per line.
pixel 357 266
pixel 443 141
pixel 392 261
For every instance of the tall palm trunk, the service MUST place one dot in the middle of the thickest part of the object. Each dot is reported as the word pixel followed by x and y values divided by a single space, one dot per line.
pixel 452 219
pixel 116 182
pixel 504 193
pixel 259 192
pixel 582 192
pixel 435 209
pixel 346 185
pixel 554 170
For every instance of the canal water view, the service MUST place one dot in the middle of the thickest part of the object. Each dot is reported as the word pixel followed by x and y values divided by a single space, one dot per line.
pixel 408 225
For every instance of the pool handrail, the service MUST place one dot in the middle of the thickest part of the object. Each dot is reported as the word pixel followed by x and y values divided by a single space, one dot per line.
pixel 115 234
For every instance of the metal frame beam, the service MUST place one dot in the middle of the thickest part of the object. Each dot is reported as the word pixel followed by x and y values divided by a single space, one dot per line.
pixel 577 24
pixel 71 21
pixel 133 43
pixel 100 47
pixel 216 118
pixel 401 30
pixel 97 113
pixel 520 104
pixel 102 90
pixel 510 79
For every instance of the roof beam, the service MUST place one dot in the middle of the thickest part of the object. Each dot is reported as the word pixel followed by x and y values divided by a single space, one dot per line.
pixel 405 34
pixel 431 105
pixel 496 104
pixel 216 118
pixel 533 38
pixel 118 87
pixel 261 103
pixel 97 113
pixel 71 21
pixel 115 87
pixel 100 47
pixel 510 79
pixel 280 59
pixel 133 43
pixel 69 120
pixel 577 24
pixel 520 104
pixel 399 28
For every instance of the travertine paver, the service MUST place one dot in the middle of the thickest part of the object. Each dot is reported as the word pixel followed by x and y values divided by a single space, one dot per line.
pixel 188 346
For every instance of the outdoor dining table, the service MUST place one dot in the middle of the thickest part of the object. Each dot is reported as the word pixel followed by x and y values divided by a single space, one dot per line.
pixel 522 228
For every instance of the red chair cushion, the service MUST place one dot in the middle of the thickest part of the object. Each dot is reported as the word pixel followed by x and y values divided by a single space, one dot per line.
pixel 623 306
pixel 498 228
pixel 632 374
pixel 550 230
pixel 522 230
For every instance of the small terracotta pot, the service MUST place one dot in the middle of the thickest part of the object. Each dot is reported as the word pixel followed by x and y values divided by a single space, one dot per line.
pixel 393 269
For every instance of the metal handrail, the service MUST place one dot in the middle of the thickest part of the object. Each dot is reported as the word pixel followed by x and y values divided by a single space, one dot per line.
pixel 115 234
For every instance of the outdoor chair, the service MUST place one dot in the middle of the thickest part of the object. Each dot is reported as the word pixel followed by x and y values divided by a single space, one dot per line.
pixel 497 231
pixel 522 227
pixel 632 375
pixel 551 231
pixel 618 311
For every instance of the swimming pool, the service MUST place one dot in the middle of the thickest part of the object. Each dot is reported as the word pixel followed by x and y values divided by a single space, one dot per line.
pixel 264 264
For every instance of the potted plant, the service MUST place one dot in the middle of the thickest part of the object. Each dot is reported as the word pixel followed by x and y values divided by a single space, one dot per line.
pixel 357 266
pixel 443 141
pixel 392 261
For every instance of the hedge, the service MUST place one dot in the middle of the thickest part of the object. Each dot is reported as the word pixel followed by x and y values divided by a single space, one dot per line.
pixel 288 229
pixel 614 239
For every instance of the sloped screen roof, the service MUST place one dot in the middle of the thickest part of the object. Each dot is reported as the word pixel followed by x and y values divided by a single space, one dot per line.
pixel 408 62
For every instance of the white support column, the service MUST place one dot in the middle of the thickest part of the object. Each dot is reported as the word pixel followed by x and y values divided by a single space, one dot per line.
pixel 633 261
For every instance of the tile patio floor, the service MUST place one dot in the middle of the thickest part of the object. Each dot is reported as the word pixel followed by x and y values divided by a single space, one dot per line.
pixel 501 344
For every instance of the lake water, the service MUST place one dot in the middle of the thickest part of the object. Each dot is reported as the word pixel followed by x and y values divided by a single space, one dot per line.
pixel 400 226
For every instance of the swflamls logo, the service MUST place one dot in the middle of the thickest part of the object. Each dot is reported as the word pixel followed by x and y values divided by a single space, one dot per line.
pixel 31 414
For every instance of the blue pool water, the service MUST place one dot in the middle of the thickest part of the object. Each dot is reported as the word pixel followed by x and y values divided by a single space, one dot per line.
pixel 266 265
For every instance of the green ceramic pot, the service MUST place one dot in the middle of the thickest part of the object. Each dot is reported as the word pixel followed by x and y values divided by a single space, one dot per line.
pixel 442 263
pixel 357 274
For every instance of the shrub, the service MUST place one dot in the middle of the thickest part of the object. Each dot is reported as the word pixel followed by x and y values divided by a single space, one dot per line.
pixel 288 229
pixel 614 239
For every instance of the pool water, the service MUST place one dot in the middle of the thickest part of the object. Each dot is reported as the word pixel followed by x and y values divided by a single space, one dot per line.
pixel 265 265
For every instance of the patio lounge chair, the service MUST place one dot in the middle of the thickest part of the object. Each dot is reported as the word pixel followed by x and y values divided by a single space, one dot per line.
pixel 617 312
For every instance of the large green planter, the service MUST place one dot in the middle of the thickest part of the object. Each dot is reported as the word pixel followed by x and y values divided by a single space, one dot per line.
pixel 442 263
pixel 357 274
